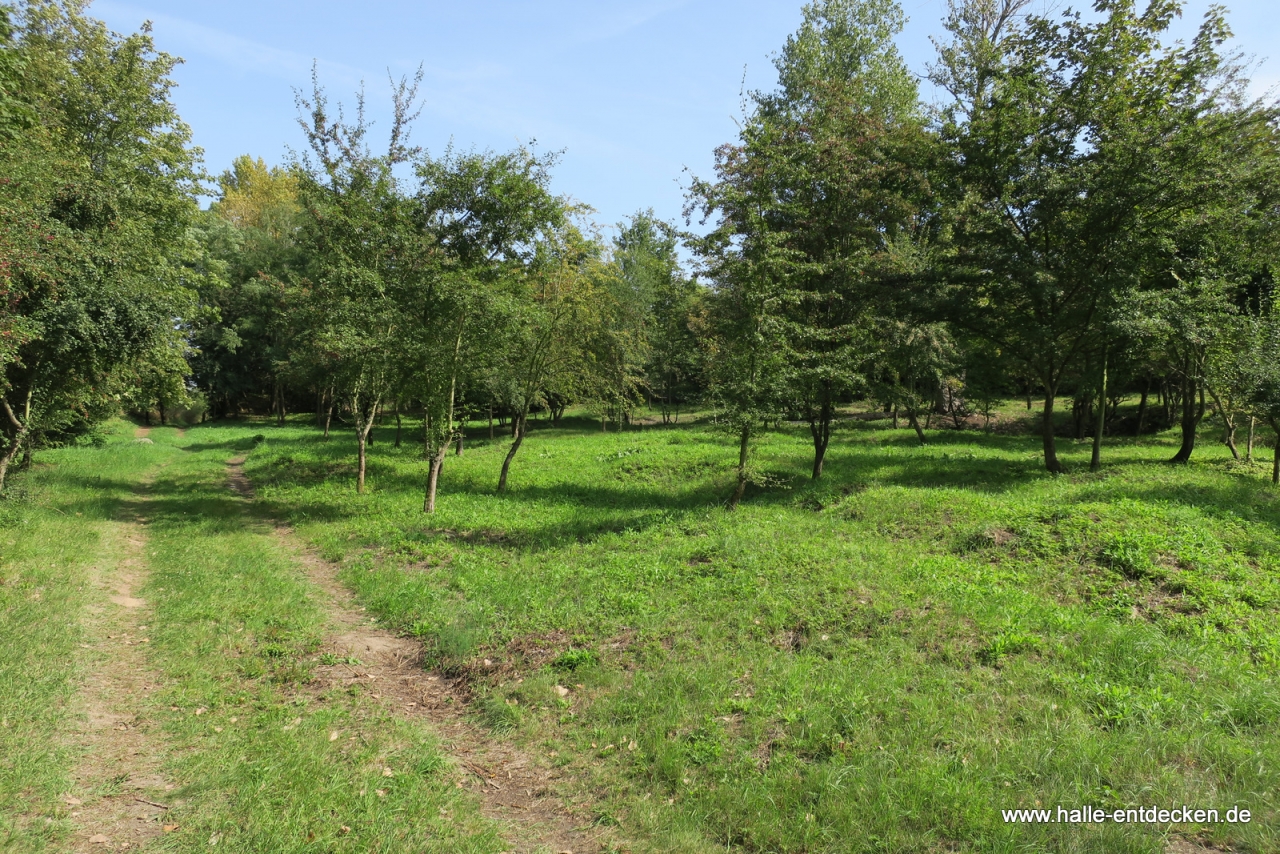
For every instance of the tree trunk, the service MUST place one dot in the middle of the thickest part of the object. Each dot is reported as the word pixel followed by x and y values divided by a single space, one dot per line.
pixel 1190 421
pixel 1047 435
pixel 915 423
pixel 364 416
pixel 1248 452
pixel 462 435
pixel 518 424
pixel 895 416
pixel 490 421
pixel 20 430
pixel 279 405
pixel 397 444
pixel 433 479
pixel 1275 461
pixel 744 448
pixel 1228 426
pixel 1095 462
pixel 361 440
pixel 1142 405
pixel 328 416
pixel 820 429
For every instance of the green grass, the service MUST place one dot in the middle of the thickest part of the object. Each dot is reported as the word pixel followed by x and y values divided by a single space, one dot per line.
pixel 53 526
pixel 880 661
pixel 234 630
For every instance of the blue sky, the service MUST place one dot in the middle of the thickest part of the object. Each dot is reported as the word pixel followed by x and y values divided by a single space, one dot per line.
pixel 635 92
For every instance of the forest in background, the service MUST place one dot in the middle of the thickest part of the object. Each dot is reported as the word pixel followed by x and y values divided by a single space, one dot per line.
pixel 1089 215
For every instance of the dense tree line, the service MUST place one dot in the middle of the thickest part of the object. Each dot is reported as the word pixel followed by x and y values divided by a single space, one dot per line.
pixel 1090 212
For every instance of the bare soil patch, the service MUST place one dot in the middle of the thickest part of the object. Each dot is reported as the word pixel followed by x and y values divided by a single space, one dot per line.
pixel 515 788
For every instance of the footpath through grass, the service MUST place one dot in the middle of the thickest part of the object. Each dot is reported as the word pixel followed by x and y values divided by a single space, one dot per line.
pixel 882 661
pixel 258 762
pixel 53 522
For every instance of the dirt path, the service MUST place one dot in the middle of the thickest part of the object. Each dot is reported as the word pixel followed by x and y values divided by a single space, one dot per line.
pixel 119 798
pixel 516 789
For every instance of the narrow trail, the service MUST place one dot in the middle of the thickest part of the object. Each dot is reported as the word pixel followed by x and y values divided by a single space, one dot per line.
pixel 515 788
pixel 119 796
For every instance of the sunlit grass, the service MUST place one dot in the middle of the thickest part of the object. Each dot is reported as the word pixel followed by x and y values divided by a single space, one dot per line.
pixel 54 523
pixel 878 661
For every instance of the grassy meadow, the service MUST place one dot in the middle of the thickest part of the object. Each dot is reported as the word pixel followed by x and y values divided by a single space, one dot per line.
pixel 879 661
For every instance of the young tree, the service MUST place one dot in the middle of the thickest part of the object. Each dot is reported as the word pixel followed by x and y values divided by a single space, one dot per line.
pixel 364 250
pixel 549 320
pixel 484 212
pixel 743 331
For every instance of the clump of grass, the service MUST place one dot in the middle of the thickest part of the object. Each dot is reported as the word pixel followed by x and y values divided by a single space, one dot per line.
pixel 572 659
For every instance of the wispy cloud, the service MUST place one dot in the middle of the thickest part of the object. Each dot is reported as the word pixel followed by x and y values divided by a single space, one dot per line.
pixel 243 55
pixel 620 19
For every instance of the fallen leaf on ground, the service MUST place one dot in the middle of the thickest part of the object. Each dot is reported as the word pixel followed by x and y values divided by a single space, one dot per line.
pixel 387 772
pixel 170 828
pixel 562 691
pixel 98 839
pixel 75 802
pixel 333 736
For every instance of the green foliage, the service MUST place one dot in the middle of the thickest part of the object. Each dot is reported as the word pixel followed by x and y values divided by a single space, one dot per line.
pixel 93 215
pixel 1081 150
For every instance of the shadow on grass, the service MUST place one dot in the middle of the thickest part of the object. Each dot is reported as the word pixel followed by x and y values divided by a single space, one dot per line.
pixel 966 460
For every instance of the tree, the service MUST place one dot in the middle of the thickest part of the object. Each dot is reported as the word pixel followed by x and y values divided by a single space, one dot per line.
pixel 485 213
pixel 743 332
pixel 1076 149
pixel 830 167
pixel 549 319
pixel 100 189
pixel 364 251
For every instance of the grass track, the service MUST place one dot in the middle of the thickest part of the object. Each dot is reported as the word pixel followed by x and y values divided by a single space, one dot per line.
pixel 233 625
pixel 53 523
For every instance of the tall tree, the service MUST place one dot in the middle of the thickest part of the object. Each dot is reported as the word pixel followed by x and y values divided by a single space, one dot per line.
pixel 832 165
pixel 1077 146
pixel 103 173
